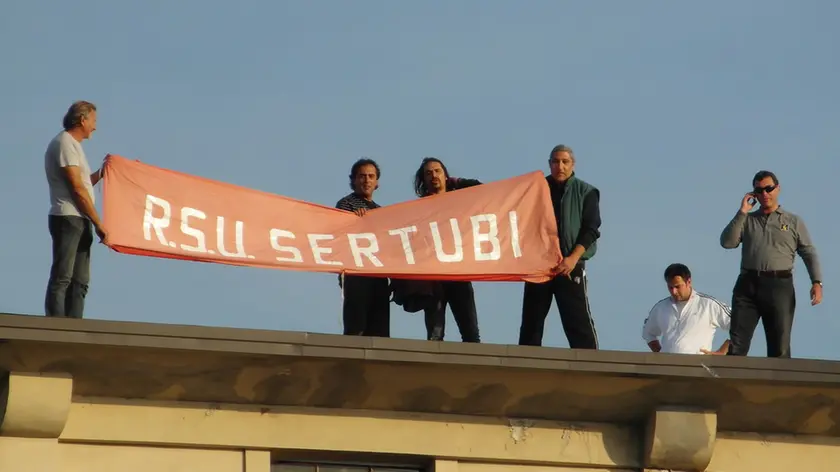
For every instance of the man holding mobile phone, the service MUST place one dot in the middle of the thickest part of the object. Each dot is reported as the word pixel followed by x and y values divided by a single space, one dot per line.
pixel 769 240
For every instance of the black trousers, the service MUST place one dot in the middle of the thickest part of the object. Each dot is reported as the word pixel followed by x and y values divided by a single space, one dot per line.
pixel 772 299
pixel 461 300
pixel 570 293
pixel 72 238
pixel 367 306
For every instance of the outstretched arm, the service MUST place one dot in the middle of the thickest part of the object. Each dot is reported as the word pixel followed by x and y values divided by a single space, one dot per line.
pixel 457 183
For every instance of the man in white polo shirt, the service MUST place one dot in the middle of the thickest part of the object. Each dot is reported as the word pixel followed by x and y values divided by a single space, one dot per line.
pixel 685 322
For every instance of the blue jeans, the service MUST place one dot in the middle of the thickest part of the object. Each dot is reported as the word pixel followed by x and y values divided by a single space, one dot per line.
pixel 72 238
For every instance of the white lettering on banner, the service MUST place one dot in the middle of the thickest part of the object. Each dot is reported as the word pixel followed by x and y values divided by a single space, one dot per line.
pixel 406 243
pixel 485 230
pixel 491 236
pixel 186 214
pixel 369 251
pixel 514 234
pixel 276 234
pixel 239 237
pixel 158 224
pixel 317 250
pixel 458 254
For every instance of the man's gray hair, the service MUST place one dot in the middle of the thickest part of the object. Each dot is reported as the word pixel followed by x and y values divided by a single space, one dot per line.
pixel 77 111
pixel 562 148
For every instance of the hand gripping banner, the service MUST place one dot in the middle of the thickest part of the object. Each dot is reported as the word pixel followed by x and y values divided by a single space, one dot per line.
pixel 499 231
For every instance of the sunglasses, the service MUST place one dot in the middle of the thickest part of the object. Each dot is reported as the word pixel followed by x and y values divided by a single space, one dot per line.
pixel 766 189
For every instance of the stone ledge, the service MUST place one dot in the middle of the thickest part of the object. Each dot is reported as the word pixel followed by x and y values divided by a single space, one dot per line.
pixel 34 405
pixel 680 438
pixel 35 328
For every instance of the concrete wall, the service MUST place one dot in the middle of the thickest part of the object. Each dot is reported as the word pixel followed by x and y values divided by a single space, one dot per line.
pixel 733 453
pixel 347 431
pixel 137 436
pixel 747 452
pixel 48 455
pixel 451 466
pixel 95 396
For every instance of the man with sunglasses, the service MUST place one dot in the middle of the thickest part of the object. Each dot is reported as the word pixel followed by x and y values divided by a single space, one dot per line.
pixel 769 239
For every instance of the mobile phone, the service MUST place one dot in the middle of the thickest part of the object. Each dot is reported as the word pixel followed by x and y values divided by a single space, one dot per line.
pixel 752 200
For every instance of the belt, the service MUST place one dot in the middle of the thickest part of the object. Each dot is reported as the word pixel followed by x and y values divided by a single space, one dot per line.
pixel 773 274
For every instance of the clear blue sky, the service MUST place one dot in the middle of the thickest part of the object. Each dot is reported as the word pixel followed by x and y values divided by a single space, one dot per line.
pixel 670 106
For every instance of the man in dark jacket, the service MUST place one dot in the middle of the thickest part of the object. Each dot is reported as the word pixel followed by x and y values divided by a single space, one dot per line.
pixel 367 306
pixel 433 178
pixel 576 208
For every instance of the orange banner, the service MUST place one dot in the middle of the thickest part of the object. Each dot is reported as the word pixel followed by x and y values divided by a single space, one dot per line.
pixel 499 231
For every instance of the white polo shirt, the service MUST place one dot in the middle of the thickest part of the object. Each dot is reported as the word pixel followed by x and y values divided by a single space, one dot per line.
pixel 686 327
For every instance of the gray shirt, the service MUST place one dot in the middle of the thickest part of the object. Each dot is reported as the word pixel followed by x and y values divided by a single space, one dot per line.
pixel 64 151
pixel 769 241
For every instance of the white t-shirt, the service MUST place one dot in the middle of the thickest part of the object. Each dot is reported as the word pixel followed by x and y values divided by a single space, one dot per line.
pixel 65 151
pixel 686 327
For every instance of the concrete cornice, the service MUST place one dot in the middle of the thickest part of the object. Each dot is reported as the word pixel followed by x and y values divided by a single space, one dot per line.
pixel 223 365
pixel 34 405
pixel 286 343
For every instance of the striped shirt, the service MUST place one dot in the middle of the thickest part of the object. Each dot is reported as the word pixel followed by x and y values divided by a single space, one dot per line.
pixel 686 327
pixel 353 202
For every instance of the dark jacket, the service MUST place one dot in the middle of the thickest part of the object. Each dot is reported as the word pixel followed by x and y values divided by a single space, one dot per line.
pixel 416 295
pixel 457 183
pixel 577 210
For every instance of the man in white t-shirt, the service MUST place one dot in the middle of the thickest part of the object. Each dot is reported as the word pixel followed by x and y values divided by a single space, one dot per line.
pixel 685 322
pixel 72 212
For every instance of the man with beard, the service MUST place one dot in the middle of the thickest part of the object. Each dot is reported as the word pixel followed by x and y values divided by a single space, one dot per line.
pixel 367 306
pixel 576 208
pixel 432 178
pixel 769 239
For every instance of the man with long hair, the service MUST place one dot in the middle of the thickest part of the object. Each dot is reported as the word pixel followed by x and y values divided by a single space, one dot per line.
pixel 432 178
